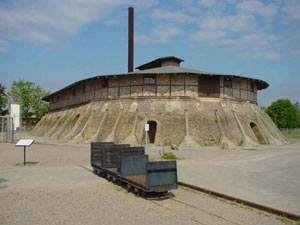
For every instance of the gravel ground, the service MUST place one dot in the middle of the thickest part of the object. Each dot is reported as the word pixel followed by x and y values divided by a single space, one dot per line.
pixel 56 187
pixel 269 175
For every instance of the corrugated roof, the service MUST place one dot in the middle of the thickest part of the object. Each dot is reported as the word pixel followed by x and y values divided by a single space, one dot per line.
pixel 164 70
pixel 173 69
pixel 157 62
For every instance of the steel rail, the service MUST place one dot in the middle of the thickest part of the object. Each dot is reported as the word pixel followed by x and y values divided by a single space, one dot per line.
pixel 245 202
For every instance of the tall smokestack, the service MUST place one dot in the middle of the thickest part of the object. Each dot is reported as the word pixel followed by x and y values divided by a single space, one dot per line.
pixel 130 39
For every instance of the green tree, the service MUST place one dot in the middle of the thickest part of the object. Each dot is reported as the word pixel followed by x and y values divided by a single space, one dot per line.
pixel 297 106
pixel 284 114
pixel 3 101
pixel 263 108
pixel 29 95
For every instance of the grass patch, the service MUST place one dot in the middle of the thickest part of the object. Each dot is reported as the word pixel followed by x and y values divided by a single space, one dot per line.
pixel 152 159
pixel 170 156
pixel 27 164
pixel 285 220
pixel 119 189
pixel 291 133
pixel 234 203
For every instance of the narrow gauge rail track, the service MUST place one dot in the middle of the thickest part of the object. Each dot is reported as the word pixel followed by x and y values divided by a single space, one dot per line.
pixel 195 208
pixel 224 196
pixel 245 202
pixel 268 209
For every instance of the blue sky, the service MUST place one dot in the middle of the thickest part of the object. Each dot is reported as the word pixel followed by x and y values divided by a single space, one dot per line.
pixel 55 43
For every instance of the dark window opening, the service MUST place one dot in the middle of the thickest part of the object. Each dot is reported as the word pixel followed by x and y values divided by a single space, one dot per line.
pixel 104 83
pixel 228 82
pixel 74 92
pixel 149 80
pixel 83 88
pixel 58 98
pixel 252 86
pixel 152 131
pixel 257 133
pixel 209 86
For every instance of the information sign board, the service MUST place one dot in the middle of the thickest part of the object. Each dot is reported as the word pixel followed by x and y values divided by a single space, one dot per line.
pixel 25 143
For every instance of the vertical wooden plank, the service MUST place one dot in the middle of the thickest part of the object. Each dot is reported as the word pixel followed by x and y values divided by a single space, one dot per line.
pixel 247 90
pixel 184 84
pixel 240 88
pixel 143 85
pixel 170 85
pixel 107 87
pixel 155 85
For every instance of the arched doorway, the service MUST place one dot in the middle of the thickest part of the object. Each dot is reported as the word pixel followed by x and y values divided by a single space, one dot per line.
pixel 152 131
pixel 257 133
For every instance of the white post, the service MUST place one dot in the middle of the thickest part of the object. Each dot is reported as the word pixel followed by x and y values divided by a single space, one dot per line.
pixel 146 131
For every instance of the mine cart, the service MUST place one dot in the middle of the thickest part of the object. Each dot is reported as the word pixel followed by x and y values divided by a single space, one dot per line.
pixel 131 166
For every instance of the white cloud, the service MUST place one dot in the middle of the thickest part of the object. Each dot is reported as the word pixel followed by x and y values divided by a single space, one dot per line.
pixel 235 23
pixel 249 29
pixel 3 45
pixel 175 16
pixel 250 6
pixel 112 22
pixel 208 3
pixel 44 21
pixel 164 33
pixel 296 53
pixel 207 35
pixel 257 40
pixel 140 38
pixel 292 9
pixel 268 12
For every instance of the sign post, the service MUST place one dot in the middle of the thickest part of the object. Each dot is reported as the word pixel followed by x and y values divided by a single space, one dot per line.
pixel 146 130
pixel 24 143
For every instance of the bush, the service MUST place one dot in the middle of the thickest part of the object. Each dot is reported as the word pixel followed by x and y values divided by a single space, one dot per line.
pixel 170 156
pixel 224 145
pixel 284 114
pixel 174 147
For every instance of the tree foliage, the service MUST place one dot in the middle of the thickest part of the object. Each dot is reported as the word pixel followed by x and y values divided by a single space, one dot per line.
pixel 29 95
pixel 264 108
pixel 3 101
pixel 284 114
pixel 297 106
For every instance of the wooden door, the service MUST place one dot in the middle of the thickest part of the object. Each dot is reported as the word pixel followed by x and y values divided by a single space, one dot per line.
pixel 209 86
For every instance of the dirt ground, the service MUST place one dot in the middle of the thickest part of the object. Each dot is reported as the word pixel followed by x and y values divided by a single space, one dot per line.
pixel 56 187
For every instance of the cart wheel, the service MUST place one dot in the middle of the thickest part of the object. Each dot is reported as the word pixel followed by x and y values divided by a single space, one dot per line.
pixel 119 182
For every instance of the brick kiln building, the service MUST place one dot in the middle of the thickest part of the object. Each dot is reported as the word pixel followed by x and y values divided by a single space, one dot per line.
pixel 182 106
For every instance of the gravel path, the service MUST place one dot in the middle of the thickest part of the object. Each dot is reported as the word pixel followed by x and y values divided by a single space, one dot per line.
pixel 56 188
pixel 269 175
